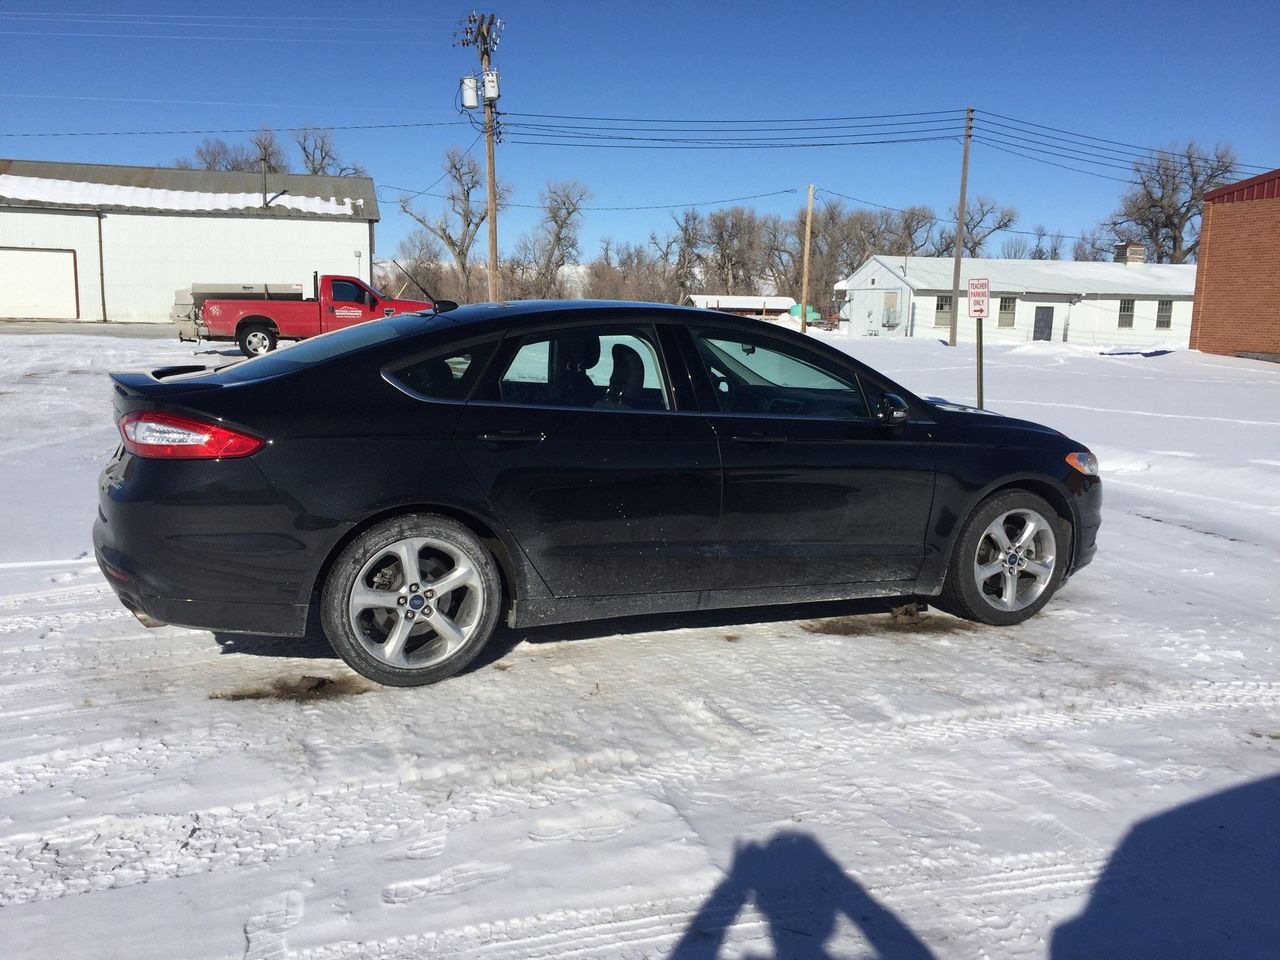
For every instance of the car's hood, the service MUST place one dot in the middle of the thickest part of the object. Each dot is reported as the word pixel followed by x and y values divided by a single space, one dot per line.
pixel 963 415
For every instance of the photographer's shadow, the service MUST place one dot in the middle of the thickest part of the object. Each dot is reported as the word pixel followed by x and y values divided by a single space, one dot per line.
pixel 802 893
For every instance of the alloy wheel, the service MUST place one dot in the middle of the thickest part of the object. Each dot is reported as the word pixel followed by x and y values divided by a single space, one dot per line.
pixel 1015 560
pixel 415 602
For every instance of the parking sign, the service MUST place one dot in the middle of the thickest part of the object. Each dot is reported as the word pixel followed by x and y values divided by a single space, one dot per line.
pixel 979 290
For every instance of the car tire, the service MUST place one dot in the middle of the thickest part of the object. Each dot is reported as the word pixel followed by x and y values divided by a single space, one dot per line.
pixel 405 631
pixel 255 339
pixel 1001 573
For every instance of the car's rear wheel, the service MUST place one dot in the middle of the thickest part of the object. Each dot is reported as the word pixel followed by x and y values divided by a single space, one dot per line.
pixel 411 600
pixel 255 339
pixel 1008 560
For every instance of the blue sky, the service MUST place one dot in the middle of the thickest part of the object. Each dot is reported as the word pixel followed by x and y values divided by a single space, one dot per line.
pixel 1140 73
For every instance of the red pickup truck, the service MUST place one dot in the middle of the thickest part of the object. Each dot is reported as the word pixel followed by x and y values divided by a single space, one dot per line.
pixel 258 316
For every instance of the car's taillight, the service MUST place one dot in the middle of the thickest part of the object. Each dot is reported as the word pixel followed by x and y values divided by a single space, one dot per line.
pixel 167 436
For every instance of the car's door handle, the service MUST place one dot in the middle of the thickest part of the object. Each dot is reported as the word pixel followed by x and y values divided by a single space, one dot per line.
pixel 513 436
pixel 760 438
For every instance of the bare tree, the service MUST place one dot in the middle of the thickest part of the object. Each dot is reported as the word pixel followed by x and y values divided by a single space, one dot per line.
pixel 214 153
pixel 421 255
pixel 733 250
pixel 1016 248
pixel 464 214
pixel 1162 209
pixel 320 156
pixel 681 254
pixel 982 218
pixel 1093 245
pixel 540 257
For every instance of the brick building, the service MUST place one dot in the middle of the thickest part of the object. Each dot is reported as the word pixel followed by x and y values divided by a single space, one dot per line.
pixel 1237 302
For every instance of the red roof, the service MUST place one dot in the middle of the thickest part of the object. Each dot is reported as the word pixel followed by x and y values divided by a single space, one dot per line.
pixel 1265 186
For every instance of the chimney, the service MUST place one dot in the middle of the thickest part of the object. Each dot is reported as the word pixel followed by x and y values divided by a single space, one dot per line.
pixel 1130 252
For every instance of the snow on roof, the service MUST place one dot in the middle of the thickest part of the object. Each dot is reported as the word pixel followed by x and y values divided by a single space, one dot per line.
pixel 926 274
pixel 723 301
pixel 31 183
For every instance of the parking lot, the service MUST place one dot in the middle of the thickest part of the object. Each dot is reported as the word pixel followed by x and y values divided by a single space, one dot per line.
pixel 628 788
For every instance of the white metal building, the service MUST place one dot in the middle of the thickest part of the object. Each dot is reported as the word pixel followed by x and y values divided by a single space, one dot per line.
pixel 1126 302
pixel 82 241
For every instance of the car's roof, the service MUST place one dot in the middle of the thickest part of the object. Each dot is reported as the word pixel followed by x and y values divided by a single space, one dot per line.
pixel 507 310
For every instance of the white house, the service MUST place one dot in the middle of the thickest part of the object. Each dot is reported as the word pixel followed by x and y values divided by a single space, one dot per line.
pixel 1117 303
pixel 84 241
pixel 741 304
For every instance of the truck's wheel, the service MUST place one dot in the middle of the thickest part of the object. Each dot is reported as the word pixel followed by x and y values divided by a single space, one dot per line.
pixel 255 339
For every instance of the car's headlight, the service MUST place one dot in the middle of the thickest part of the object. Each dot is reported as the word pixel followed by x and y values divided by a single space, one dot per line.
pixel 1084 461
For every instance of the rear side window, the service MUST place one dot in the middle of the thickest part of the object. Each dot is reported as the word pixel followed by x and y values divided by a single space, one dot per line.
pixel 443 376
pixel 326 347
pixel 614 367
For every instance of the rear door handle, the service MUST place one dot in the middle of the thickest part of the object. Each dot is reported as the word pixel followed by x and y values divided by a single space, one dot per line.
pixel 512 436
pixel 760 438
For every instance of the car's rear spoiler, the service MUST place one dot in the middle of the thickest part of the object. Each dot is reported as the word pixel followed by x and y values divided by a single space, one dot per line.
pixel 157 382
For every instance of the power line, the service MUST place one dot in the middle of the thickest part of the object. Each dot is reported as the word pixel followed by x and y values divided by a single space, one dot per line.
pixel 222 16
pixel 1054 151
pixel 789 128
pixel 443 175
pixel 1118 143
pixel 346 41
pixel 653 206
pixel 869 116
pixel 848 137
pixel 202 103
pixel 1062 166
pixel 291 129
pixel 724 145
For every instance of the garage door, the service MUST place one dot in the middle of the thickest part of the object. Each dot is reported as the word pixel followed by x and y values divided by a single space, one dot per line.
pixel 38 284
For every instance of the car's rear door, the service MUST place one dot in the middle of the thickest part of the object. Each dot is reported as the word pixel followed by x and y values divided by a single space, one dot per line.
pixel 816 489
pixel 607 476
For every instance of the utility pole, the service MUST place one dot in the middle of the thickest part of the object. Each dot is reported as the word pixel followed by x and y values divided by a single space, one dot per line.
pixel 804 272
pixel 481 31
pixel 964 186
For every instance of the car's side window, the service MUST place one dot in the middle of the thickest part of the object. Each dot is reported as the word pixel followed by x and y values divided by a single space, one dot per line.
pixel 614 367
pixel 445 376
pixel 344 291
pixel 753 374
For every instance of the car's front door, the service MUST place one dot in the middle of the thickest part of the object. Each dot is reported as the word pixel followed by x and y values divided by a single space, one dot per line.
pixel 608 484
pixel 816 489
pixel 349 303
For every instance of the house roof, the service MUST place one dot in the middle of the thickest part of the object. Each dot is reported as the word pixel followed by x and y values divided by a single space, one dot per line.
pixel 1265 186
pixel 723 301
pixel 100 186
pixel 1066 277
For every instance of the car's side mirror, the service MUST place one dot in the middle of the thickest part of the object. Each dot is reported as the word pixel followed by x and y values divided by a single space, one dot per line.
pixel 893 410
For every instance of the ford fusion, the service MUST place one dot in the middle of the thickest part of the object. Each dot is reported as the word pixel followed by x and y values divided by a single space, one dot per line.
pixel 409 481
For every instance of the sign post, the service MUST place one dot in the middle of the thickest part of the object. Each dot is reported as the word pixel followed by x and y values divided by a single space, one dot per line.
pixel 979 310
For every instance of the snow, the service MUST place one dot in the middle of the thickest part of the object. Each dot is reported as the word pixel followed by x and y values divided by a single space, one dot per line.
pixel 799 782
pixel 84 193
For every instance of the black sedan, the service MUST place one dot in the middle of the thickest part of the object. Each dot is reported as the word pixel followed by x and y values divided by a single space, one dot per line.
pixel 410 480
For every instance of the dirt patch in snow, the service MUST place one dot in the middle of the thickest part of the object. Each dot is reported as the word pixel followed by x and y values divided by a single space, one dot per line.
pixel 867 624
pixel 298 688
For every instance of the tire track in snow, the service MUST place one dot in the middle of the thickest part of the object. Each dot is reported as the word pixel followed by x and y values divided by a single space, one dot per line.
pixel 121 851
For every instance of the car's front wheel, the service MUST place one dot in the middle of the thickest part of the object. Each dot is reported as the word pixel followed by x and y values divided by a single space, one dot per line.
pixel 411 600
pixel 1008 560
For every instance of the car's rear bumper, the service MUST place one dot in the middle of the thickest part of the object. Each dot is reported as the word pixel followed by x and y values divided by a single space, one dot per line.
pixel 206 544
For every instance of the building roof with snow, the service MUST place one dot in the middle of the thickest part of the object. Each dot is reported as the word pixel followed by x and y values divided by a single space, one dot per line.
pixel 1065 277
pixel 738 303
pixel 100 186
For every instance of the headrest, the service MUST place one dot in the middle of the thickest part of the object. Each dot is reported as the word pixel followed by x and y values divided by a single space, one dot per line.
pixel 579 351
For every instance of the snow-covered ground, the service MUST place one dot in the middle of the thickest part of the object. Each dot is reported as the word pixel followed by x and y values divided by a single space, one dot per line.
pixel 746 784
